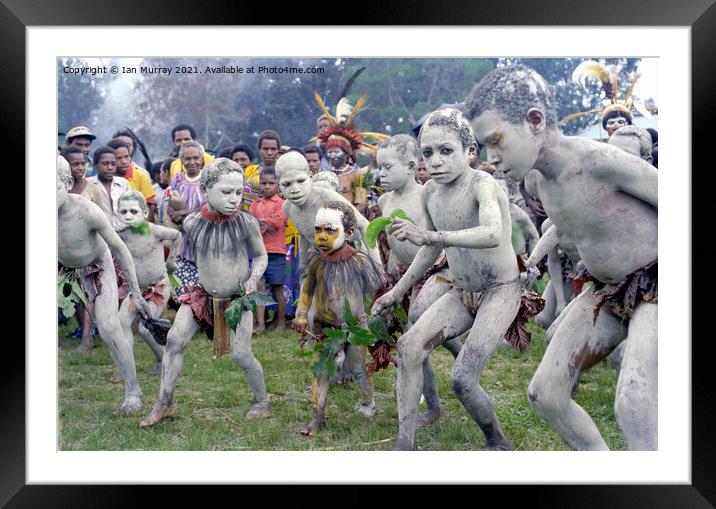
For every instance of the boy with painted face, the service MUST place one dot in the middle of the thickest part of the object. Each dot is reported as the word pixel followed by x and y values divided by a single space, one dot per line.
pixel 85 238
pixel 398 159
pixel 146 241
pixel 335 273
pixel 467 216
pixel 220 235
pixel 303 201
pixel 605 200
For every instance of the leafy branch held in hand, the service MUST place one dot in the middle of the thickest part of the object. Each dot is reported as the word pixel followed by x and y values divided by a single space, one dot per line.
pixel 379 224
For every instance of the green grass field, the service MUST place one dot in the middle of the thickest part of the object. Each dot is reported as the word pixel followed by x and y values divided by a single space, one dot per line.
pixel 212 398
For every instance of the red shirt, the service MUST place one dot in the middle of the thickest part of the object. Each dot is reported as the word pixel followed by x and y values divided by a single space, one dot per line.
pixel 270 211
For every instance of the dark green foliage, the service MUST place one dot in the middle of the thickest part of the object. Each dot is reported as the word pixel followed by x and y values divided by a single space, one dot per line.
pixel 70 293
pixel 248 302
pixel 379 224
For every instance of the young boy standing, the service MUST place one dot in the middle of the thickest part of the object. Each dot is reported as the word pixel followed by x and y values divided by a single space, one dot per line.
pixel 272 222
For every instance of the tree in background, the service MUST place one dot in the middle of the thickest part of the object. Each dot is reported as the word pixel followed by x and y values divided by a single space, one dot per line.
pixel 571 97
pixel 78 97
pixel 402 90
pixel 230 108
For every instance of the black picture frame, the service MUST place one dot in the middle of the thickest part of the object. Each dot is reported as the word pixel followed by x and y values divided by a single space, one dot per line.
pixel 16 15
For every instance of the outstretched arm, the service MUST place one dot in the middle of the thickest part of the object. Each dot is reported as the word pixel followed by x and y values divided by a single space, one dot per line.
pixel 421 263
pixel 546 243
pixel 486 235
pixel 172 236
pixel 633 176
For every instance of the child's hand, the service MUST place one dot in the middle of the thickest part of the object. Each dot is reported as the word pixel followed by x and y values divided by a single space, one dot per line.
pixel 405 230
pixel 171 265
pixel 250 286
pixel 141 305
pixel 299 324
pixel 385 302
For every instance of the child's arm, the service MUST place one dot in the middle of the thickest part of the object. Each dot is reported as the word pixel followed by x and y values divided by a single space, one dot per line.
pixel 520 217
pixel 173 236
pixel 545 244
pixel 633 176
pixel 300 323
pixel 260 261
pixel 277 221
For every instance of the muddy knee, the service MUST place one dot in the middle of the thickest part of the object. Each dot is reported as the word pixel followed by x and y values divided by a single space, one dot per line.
pixel 463 385
pixel 242 357
pixel 410 352
pixel 631 401
pixel 175 344
pixel 547 399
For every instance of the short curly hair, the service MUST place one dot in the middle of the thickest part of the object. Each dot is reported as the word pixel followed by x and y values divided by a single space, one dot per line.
pixel 349 218
pixel 512 90
pixel 405 145
pixel 133 195
pixel 215 169
pixel 455 121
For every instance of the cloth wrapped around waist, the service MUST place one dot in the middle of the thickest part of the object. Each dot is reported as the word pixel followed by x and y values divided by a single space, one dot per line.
pixel 89 278
pixel 622 298
pixel 209 312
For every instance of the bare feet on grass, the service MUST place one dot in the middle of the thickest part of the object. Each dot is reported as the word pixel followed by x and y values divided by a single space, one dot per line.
pixel 313 427
pixel 85 346
pixel 428 417
pixel 258 411
pixel 158 415
pixel 277 326
pixel 130 405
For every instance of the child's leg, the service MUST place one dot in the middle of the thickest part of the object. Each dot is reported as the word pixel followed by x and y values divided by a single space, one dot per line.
pixel 260 311
pixel 279 323
pixel 355 358
pixel 83 317
pixel 319 395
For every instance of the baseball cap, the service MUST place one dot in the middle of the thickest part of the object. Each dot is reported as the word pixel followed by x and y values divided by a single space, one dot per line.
pixel 80 130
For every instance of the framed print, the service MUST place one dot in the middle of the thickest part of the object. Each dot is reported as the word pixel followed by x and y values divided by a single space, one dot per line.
pixel 677 40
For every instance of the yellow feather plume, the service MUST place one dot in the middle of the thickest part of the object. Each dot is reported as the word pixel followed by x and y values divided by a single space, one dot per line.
pixel 590 68
pixel 359 105
pixel 577 115
pixel 631 87
pixel 323 107
pixel 376 136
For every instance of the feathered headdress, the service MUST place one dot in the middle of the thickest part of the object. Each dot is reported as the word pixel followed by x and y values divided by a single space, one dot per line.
pixel 609 78
pixel 341 132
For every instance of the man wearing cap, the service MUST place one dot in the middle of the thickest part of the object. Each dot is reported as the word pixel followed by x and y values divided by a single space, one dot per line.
pixel 81 137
